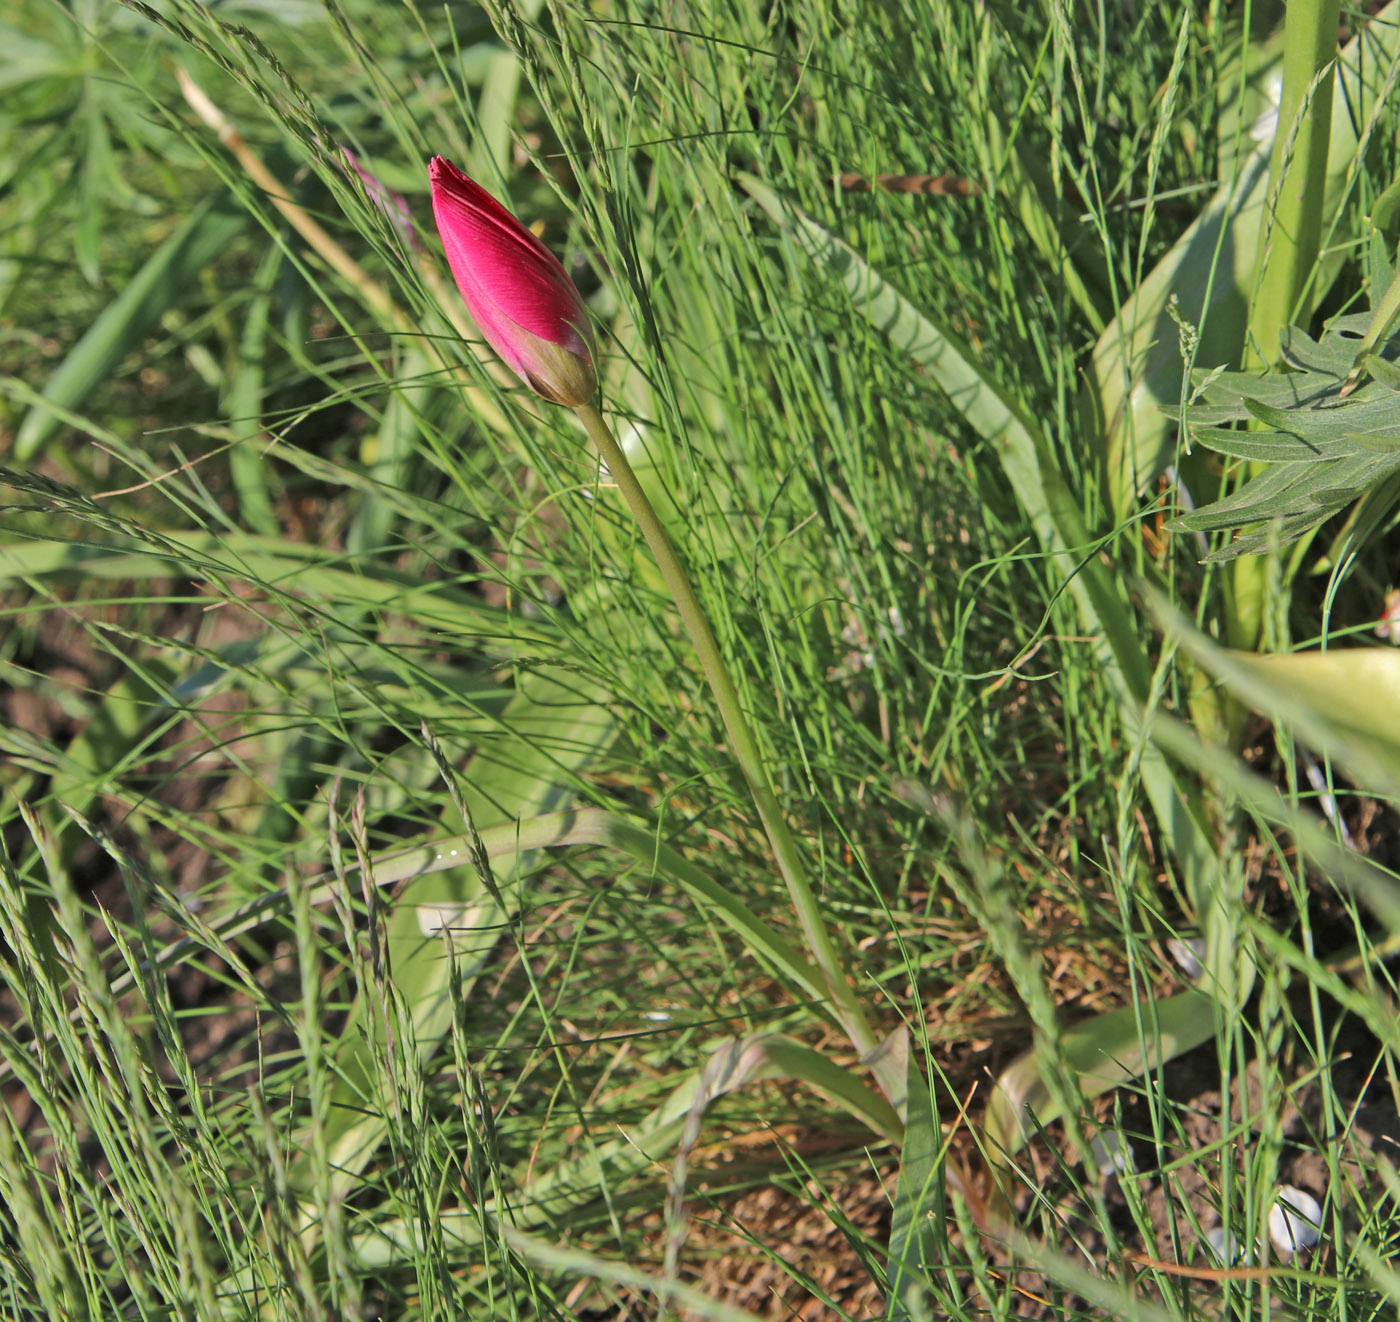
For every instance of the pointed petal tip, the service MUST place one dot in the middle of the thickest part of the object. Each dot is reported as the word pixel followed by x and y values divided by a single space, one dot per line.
pixel 439 169
pixel 446 177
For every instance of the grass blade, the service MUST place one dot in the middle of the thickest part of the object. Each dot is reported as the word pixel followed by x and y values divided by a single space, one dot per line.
pixel 1104 608
pixel 917 1234
pixel 131 316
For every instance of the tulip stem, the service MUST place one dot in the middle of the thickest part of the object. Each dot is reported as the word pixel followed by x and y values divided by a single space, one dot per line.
pixel 843 999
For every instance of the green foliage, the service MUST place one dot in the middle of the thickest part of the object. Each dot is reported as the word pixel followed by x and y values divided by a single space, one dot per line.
pixel 1315 453
pixel 1207 276
pixel 302 597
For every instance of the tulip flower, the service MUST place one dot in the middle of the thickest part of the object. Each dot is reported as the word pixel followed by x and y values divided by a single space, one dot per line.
pixel 530 313
pixel 520 297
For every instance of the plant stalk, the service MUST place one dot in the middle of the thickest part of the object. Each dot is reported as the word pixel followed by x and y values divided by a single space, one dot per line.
pixel 1298 176
pixel 1288 256
pixel 746 750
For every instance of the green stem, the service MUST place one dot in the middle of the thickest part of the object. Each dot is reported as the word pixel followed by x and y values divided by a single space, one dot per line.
pixel 1298 175
pixel 745 746
pixel 1288 258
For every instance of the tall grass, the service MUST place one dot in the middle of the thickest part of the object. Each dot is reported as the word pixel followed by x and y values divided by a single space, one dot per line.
pixel 387 929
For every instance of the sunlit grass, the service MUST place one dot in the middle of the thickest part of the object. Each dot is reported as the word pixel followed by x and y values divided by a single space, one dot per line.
pixel 294 581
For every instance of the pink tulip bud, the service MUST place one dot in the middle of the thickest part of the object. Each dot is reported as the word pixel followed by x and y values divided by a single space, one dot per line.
pixel 519 295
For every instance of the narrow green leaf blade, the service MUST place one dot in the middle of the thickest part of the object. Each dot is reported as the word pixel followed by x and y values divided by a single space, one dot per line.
pixel 916 1231
pixel 131 316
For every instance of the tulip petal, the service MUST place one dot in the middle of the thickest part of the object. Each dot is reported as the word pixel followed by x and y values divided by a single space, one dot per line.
pixel 516 290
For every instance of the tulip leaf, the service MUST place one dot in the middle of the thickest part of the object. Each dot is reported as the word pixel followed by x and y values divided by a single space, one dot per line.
pixel 504 845
pixel 473 910
pixel 1340 702
pixel 1102 1052
pixel 1344 702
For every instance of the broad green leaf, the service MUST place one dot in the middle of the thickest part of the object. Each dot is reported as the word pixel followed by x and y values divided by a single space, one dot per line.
pixel 775 1056
pixel 1341 703
pixel 1102 1052
pixel 1248 79
pixel 133 314
pixel 731 1065
pixel 1137 367
pixel 1344 702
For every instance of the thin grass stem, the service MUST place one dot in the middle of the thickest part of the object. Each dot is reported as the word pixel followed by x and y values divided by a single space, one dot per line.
pixel 745 746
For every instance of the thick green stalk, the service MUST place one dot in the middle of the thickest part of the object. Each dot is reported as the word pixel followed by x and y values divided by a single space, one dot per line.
pixel 1297 173
pixel 745 746
pixel 1288 257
